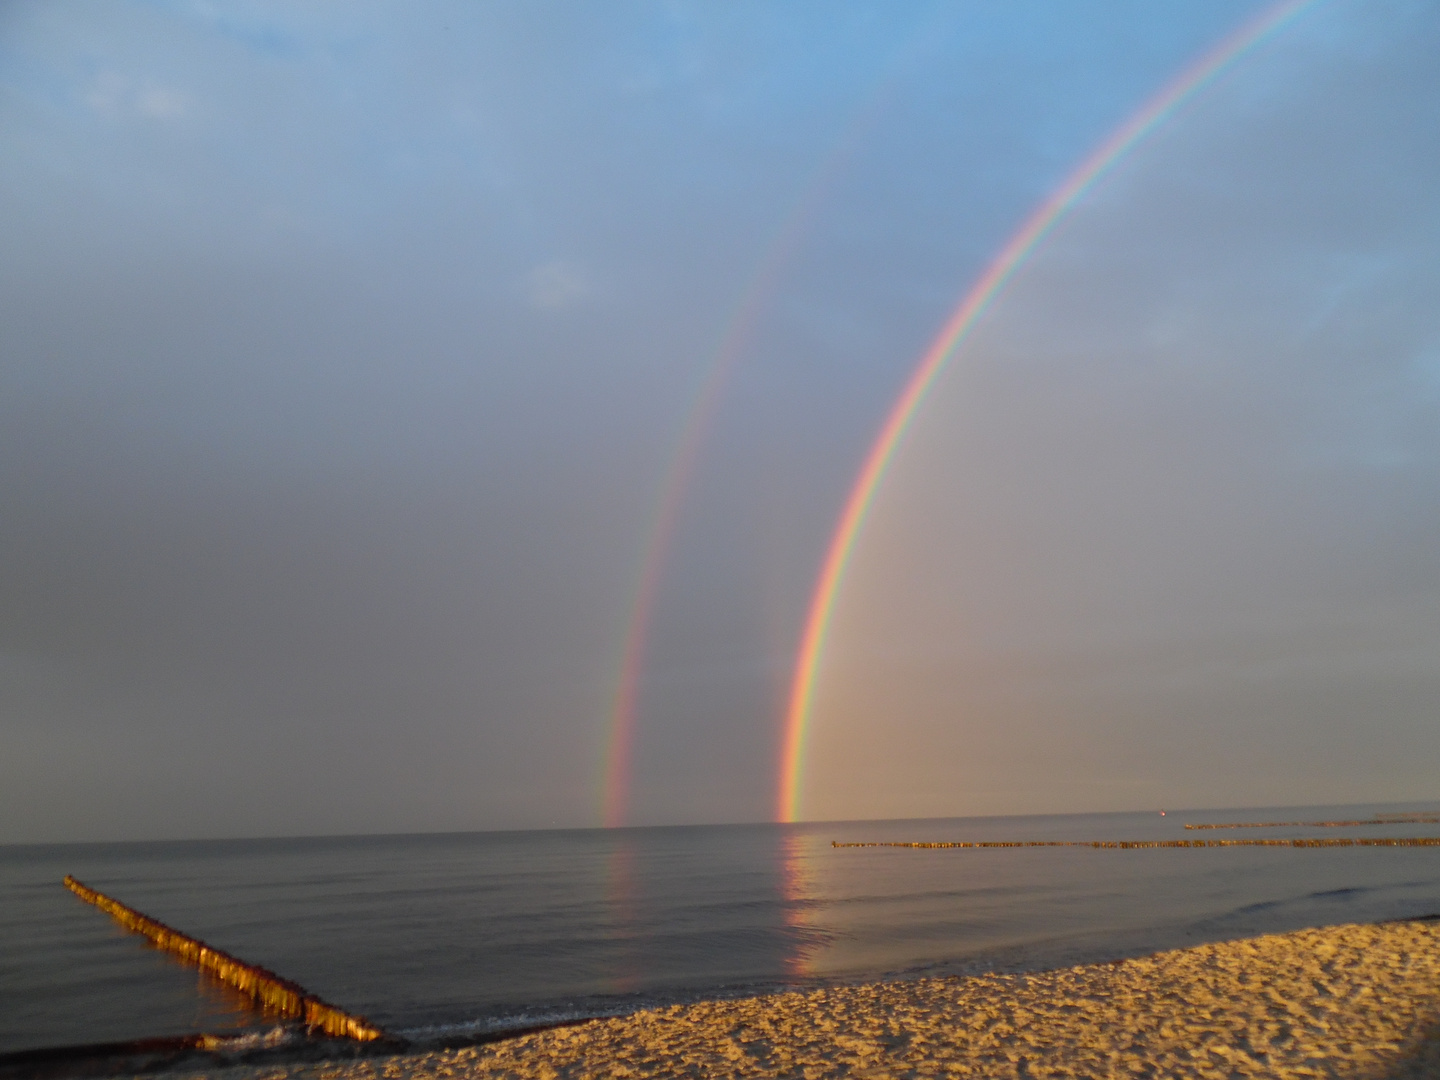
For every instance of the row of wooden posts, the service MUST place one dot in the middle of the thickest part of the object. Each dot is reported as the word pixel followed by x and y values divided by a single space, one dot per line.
pixel 268 989
pixel 1313 842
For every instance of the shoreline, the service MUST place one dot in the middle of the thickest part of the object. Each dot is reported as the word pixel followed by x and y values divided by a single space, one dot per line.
pixel 1356 1000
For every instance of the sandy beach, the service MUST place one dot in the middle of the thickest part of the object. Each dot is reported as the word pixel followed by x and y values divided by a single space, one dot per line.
pixel 1345 1001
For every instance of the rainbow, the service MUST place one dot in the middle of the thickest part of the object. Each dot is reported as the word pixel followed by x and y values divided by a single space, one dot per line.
pixel 796 721
pixel 660 534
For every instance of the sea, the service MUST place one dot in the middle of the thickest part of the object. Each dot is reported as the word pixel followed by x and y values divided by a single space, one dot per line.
pixel 442 936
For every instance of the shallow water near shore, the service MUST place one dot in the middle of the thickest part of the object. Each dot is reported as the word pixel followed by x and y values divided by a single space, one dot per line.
pixel 439 935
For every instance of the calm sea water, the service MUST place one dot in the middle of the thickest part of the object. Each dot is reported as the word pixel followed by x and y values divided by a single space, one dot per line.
pixel 438 934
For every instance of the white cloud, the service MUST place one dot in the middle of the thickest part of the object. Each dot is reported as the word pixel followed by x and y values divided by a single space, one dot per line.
pixel 113 94
pixel 555 286
pixel 160 103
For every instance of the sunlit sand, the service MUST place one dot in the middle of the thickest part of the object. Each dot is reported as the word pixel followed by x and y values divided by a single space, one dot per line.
pixel 1346 1001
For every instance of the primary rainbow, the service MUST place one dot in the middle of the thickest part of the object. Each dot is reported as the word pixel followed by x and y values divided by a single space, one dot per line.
pixel 852 517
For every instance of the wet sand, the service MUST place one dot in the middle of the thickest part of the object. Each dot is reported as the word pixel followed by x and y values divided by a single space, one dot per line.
pixel 1346 1001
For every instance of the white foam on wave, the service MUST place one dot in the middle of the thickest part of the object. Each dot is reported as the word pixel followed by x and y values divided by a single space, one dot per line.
pixel 279 1035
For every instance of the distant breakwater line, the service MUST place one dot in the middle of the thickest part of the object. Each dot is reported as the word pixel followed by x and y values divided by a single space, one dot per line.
pixel 1404 841
pixel 1408 819
pixel 268 989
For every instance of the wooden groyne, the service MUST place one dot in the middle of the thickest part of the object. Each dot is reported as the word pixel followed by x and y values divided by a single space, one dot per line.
pixel 1406 819
pixel 1314 842
pixel 265 987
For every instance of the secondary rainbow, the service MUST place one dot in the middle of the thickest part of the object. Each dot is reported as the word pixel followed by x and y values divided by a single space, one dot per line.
pixel 842 542
pixel 660 535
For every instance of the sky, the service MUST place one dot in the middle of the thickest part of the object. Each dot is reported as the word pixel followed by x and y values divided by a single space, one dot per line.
pixel 347 351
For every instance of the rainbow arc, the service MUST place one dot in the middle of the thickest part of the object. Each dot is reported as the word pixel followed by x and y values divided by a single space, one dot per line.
pixel 798 714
